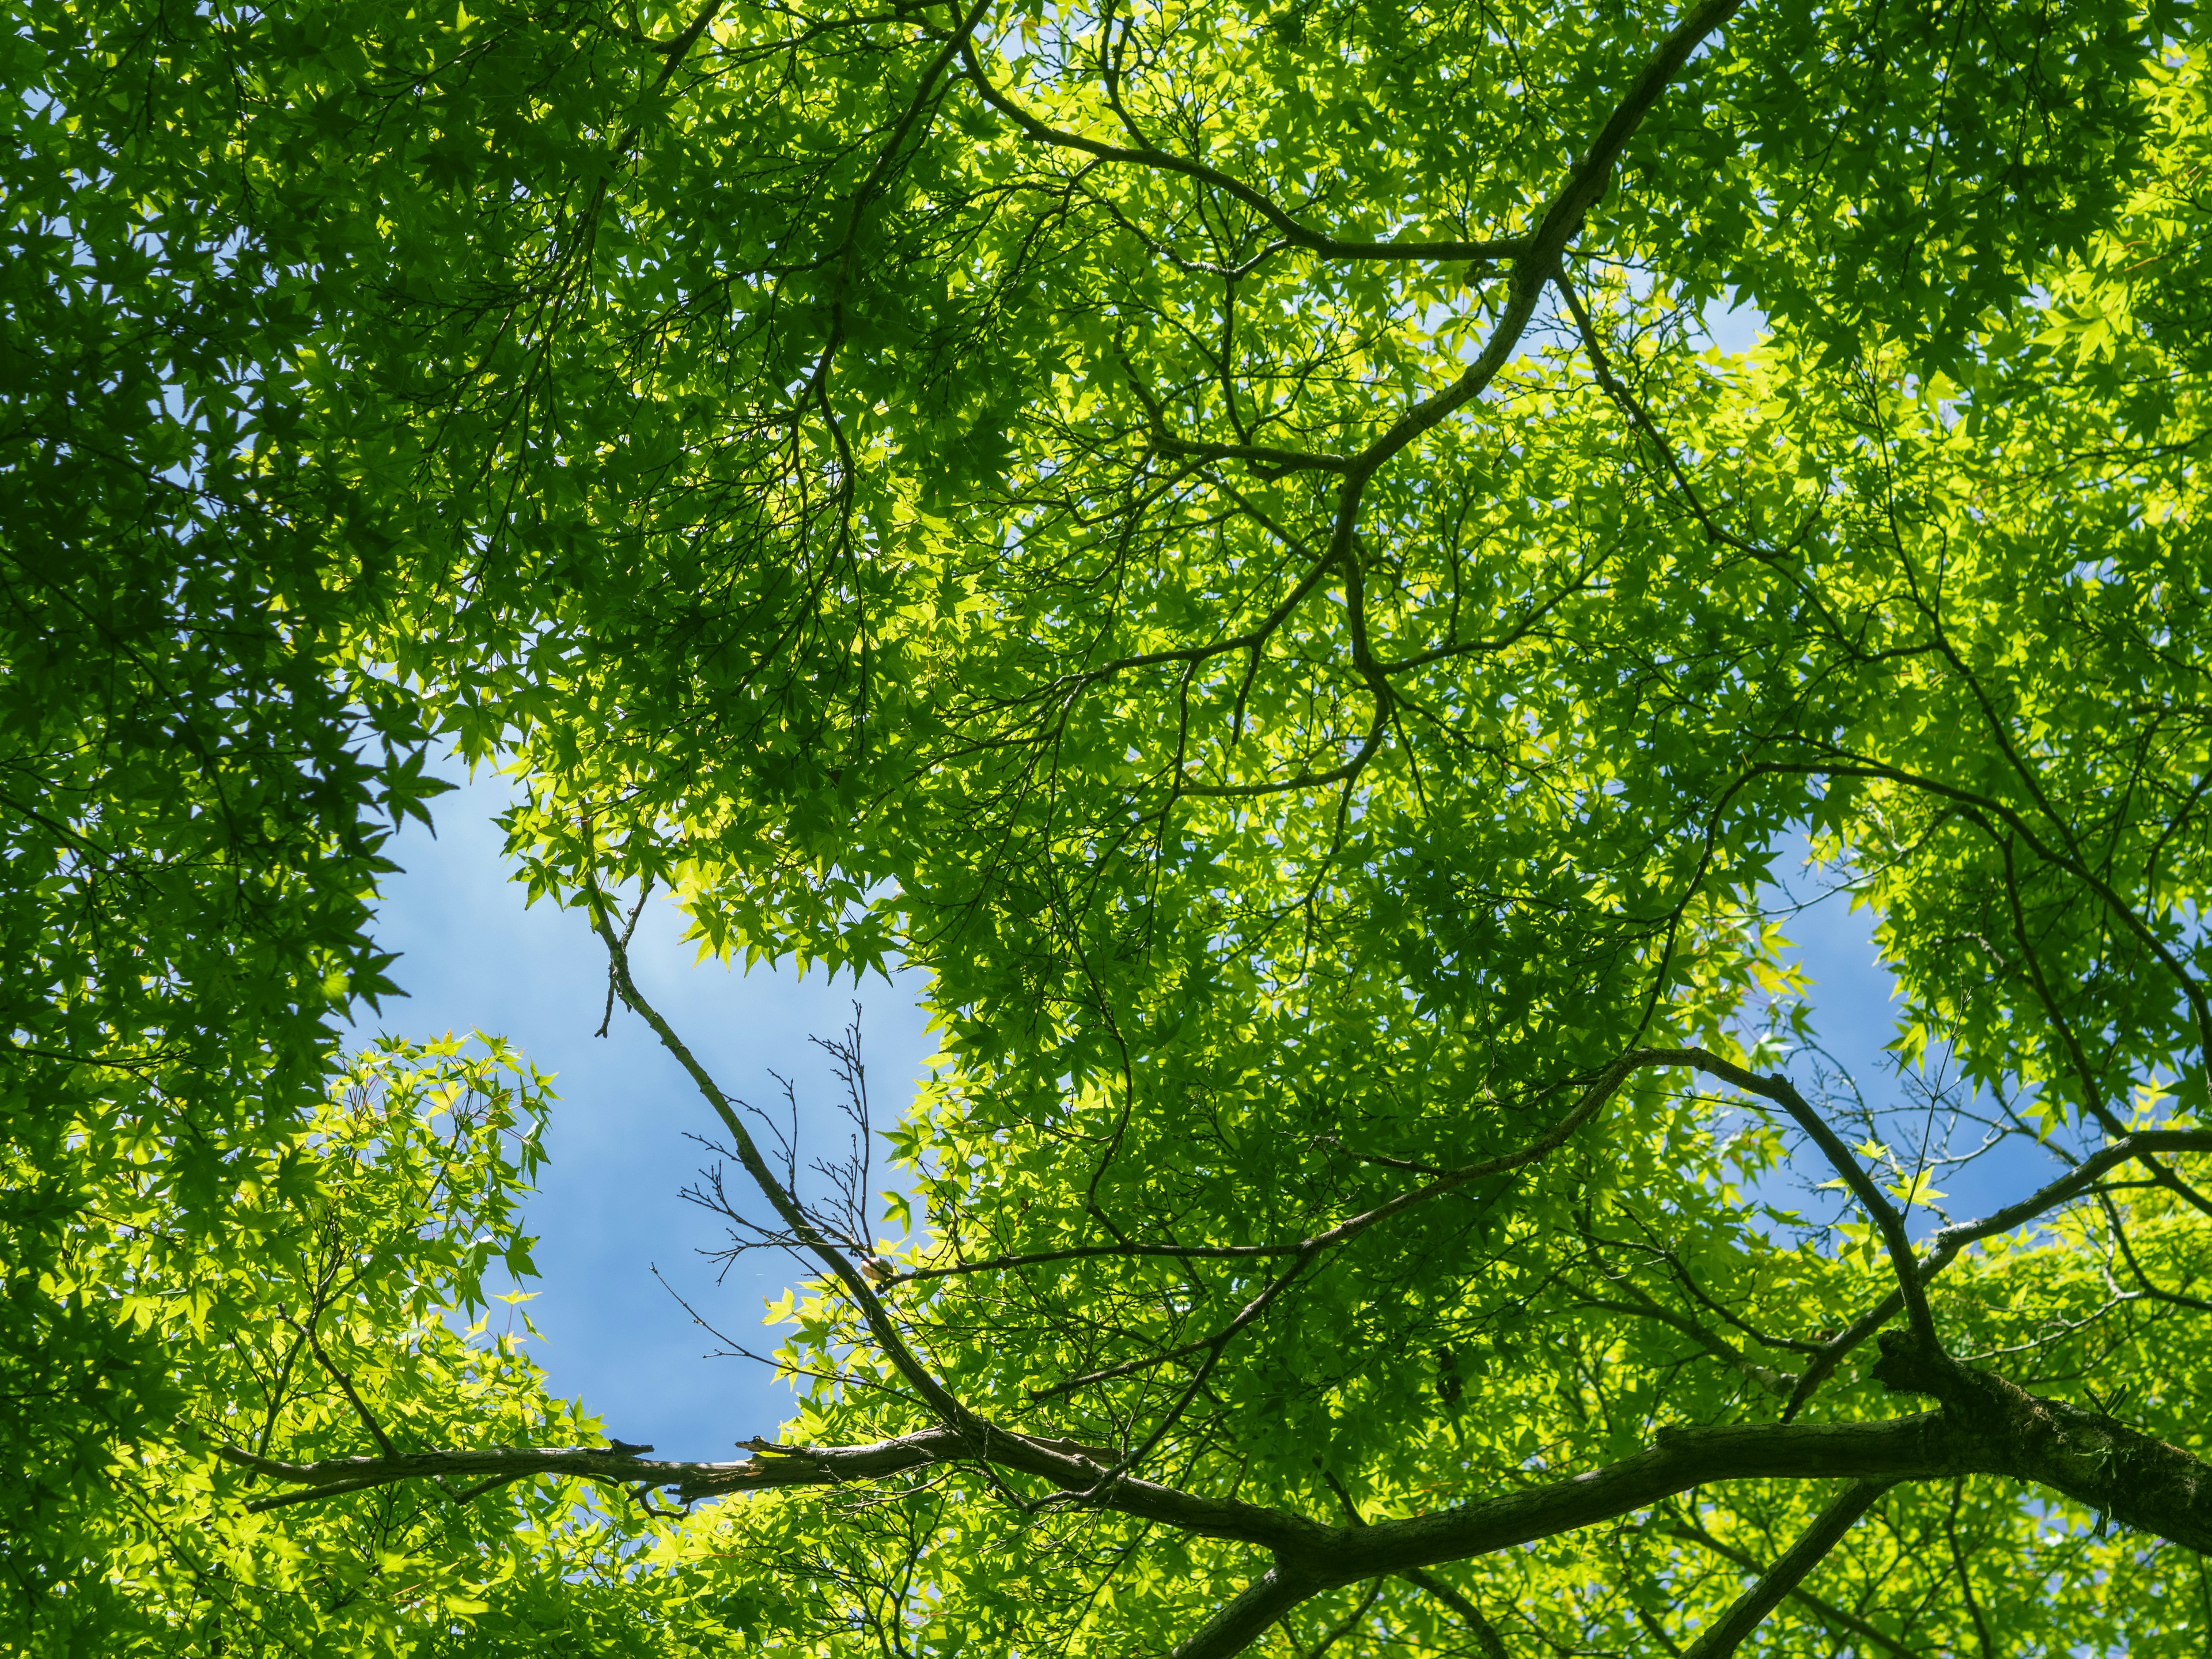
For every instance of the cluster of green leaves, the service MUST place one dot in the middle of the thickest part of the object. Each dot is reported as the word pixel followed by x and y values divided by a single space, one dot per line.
pixel 1098 505
pixel 350 1253
pixel 194 789
pixel 343 1308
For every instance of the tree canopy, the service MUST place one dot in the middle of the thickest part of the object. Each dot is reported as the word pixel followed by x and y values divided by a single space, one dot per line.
pixel 1219 534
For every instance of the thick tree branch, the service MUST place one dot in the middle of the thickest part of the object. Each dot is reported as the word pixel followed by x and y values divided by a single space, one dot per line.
pixel 774 1466
pixel 1841 1617
pixel 1987 1426
pixel 1249 1616
pixel 1902 1448
pixel 1827 1529
pixel 2098 1462
pixel 1486 1633
pixel 677 49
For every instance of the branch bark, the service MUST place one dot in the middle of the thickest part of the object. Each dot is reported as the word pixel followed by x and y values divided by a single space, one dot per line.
pixel 1826 1531
pixel 1985 1426
pixel 1486 1633
pixel 1842 1618
pixel 1944 1248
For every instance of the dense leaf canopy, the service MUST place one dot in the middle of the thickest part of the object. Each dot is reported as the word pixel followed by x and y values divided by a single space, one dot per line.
pixel 1220 536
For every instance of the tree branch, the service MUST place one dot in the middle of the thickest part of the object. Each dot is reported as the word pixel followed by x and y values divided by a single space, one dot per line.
pixel 1887 1218
pixel 1820 1606
pixel 2190 990
pixel 1987 1426
pixel 1826 1531
pixel 1944 1248
pixel 1294 232
pixel 1601 1088
pixel 786 1204
pixel 1486 1633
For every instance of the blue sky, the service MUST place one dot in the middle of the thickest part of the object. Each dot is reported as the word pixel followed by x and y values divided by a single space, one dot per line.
pixel 607 1210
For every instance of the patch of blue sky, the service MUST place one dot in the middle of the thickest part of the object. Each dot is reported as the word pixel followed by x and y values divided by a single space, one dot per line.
pixel 1931 1121
pixel 1734 325
pixel 608 1210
